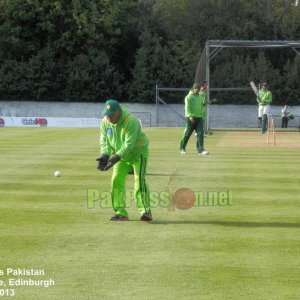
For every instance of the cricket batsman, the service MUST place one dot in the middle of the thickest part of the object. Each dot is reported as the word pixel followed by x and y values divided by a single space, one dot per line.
pixel 123 146
pixel 264 100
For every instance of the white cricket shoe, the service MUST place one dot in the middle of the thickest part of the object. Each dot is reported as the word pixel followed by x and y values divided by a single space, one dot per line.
pixel 204 152
pixel 182 152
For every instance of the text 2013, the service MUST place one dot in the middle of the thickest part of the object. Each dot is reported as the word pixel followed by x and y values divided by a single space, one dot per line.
pixel 7 292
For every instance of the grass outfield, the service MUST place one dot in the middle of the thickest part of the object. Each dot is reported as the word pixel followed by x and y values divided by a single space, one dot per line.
pixel 246 250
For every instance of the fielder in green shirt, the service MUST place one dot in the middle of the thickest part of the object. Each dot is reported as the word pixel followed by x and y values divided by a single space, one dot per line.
pixel 123 146
pixel 194 120
pixel 203 96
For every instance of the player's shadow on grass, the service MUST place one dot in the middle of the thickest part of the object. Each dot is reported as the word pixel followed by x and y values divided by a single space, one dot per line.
pixel 231 224
pixel 159 174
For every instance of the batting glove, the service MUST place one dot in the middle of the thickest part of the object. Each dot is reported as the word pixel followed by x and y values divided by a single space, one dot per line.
pixel 102 162
pixel 113 160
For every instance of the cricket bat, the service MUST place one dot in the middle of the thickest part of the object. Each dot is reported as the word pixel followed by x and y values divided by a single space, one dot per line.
pixel 254 88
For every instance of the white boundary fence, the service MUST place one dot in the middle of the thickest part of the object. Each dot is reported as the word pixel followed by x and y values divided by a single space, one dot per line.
pixel 49 122
pixel 87 114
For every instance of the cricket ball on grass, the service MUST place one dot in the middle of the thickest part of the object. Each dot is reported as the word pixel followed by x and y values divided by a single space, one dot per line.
pixel 184 198
pixel 57 174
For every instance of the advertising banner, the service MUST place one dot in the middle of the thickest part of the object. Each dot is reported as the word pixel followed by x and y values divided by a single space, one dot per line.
pixel 49 122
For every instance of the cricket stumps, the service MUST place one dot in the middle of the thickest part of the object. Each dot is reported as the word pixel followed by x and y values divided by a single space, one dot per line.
pixel 271 133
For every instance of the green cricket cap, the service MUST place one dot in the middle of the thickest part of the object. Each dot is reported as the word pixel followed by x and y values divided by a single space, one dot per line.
pixel 110 107
pixel 196 85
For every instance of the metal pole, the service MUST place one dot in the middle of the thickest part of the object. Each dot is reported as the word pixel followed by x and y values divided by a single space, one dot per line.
pixel 208 84
pixel 157 108
pixel 296 51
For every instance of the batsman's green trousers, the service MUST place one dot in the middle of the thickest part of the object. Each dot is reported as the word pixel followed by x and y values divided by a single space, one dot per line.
pixel 141 189
pixel 189 128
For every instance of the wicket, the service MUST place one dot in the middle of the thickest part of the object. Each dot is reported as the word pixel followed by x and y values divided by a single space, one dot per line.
pixel 271 130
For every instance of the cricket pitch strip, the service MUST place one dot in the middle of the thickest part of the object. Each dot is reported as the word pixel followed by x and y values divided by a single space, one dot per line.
pixel 256 139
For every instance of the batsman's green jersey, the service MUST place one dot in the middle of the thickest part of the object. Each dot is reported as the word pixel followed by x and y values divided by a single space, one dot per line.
pixel 126 139
pixel 265 97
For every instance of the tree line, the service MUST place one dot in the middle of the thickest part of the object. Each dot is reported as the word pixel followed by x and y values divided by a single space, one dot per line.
pixel 91 50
